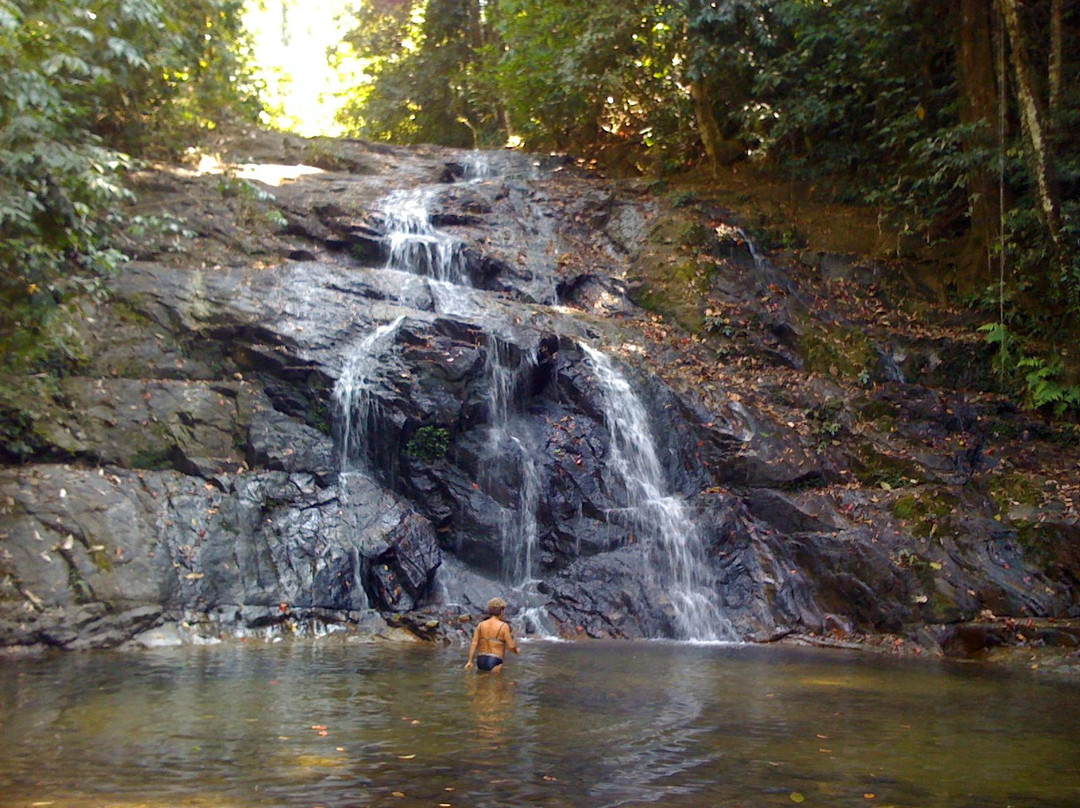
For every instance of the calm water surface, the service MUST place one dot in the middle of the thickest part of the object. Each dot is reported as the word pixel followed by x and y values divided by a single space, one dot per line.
pixel 568 725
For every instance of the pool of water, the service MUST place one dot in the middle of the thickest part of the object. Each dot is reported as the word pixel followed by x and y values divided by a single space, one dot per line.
pixel 568 725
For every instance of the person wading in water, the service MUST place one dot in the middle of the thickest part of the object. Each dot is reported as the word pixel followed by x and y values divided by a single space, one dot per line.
pixel 491 640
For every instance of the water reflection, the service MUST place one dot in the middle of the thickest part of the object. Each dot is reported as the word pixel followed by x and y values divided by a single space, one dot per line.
pixel 591 724
pixel 492 705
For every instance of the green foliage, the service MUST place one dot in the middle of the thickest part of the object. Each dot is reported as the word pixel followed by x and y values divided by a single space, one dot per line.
pixel 1042 382
pixel 851 97
pixel 423 61
pixel 1038 380
pixel 585 76
pixel 86 82
pixel 428 443
pixel 827 422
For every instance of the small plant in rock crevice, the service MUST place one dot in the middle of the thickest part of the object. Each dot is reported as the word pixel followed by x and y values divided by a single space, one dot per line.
pixel 428 443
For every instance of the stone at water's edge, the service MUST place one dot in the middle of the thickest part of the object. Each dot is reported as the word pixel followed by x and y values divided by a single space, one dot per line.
pixel 190 474
pixel 101 556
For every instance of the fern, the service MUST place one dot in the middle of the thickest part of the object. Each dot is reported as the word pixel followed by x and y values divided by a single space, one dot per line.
pixel 1043 387
pixel 1037 380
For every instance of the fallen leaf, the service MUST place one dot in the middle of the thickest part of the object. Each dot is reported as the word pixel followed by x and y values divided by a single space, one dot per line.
pixel 797 797
pixel 406 757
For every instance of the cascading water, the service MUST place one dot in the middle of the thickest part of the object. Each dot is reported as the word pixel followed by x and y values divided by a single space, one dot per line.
pixel 352 399
pixel 352 391
pixel 676 552
pixel 511 458
pixel 755 254
pixel 415 245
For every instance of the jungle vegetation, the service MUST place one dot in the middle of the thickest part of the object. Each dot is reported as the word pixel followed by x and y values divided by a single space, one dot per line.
pixel 953 121
pixel 89 89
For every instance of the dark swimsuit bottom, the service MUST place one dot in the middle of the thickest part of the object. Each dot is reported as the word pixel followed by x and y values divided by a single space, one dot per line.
pixel 487 662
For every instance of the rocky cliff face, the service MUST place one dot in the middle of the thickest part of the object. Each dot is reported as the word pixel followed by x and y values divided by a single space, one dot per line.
pixel 236 451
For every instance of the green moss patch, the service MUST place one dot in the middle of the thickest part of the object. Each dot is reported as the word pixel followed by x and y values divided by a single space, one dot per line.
pixel 926 512
pixel 836 350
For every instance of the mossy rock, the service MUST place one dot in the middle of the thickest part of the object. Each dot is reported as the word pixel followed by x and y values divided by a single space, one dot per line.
pixel 927 511
pixel 677 294
pixel 876 411
pixel 876 468
pixel 836 350
pixel 1052 547
pixel 26 402
pixel 1014 488
pixel 152 459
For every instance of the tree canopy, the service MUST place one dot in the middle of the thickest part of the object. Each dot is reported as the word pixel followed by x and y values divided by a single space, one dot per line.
pixel 89 85
pixel 951 119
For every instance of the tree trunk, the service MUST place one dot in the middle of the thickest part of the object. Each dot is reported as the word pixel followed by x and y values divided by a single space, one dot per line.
pixel 1057 24
pixel 474 25
pixel 1040 160
pixel 708 130
pixel 979 109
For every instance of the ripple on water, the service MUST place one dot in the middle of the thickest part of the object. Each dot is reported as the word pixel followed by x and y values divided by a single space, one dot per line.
pixel 567 724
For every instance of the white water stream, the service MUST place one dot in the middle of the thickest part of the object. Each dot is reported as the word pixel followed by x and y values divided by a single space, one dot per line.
pixel 415 245
pixel 676 552
pixel 352 391
pixel 510 471
pixel 511 457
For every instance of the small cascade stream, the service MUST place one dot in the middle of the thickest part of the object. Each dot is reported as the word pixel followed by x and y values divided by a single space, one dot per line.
pixel 751 246
pixel 352 392
pixel 510 460
pixel 510 464
pixel 677 555
pixel 512 472
pixel 415 245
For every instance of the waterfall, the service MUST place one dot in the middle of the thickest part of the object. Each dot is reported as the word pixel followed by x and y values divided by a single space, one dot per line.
pixel 415 245
pixel 478 166
pixel 352 390
pixel 510 457
pixel 676 552
pixel 755 254
pixel 353 404
pixel 510 472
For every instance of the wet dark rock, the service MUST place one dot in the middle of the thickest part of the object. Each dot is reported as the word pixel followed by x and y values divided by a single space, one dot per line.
pixel 969 640
pixel 193 471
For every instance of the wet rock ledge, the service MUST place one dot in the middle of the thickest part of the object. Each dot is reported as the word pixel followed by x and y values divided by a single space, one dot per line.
pixel 851 478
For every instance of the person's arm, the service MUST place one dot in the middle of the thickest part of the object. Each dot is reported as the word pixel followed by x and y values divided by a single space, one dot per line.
pixel 510 644
pixel 472 648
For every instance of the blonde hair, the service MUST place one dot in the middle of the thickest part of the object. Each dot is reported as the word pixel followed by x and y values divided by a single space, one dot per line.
pixel 496 606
